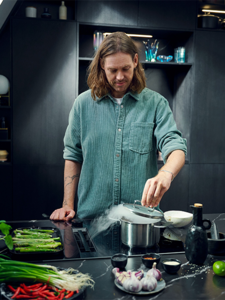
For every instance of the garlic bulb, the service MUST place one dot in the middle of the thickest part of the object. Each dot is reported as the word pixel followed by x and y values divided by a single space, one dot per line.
pixel 149 283
pixel 132 284
pixel 122 276
pixel 155 272
pixel 115 270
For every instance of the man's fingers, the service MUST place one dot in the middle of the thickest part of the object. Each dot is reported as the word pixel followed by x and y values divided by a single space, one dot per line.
pixel 145 192
pixel 156 197
pixel 70 215
pixel 58 214
pixel 150 194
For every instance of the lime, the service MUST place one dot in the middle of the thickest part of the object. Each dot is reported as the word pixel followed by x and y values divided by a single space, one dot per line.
pixel 219 268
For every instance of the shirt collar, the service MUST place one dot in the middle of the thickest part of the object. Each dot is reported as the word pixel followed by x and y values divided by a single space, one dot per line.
pixel 135 95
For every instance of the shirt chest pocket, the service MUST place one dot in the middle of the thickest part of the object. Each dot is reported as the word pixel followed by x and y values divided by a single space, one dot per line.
pixel 141 137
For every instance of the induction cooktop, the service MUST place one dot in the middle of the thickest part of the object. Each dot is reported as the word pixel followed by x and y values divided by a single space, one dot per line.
pixel 78 242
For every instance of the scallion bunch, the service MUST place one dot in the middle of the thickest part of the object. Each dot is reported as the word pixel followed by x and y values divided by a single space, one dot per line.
pixel 17 271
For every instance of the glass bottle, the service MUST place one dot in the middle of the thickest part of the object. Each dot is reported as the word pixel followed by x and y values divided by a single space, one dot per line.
pixel 63 11
pixel 196 244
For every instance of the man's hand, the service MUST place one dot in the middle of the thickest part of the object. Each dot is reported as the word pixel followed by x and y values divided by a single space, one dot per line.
pixel 155 188
pixel 65 213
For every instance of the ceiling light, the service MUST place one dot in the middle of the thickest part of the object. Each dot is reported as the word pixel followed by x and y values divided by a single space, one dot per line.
pixel 1 2
pixel 214 11
pixel 131 35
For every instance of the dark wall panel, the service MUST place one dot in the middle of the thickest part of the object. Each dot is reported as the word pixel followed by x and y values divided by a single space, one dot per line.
pixel 36 190
pixel 120 12
pixel 207 186
pixel 44 55
pixel 44 66
pixel 182 101
pixel 5 193
pixel 5 62
pixel 167 14
pixel 208 106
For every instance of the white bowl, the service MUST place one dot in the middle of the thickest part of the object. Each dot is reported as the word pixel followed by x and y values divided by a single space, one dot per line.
pixel 178 218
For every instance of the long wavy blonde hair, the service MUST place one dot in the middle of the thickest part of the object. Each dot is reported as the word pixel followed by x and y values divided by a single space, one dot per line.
pixel 113 43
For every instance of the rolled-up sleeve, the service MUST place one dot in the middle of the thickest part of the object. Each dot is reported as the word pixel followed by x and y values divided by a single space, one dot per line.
pixel 72 138
pixel 168 137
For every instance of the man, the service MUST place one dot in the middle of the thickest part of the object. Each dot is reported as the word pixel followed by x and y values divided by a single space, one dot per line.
pixel 114 132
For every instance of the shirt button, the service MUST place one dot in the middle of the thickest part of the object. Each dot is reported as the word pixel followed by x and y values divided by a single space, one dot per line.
pixel 121 106
pixel 117 179
pixel 117 155
pixel 119 129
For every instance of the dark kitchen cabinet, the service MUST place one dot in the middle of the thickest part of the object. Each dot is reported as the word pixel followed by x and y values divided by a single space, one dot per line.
pixel 6 210
pixel 44 67
pixel 37 189
pixel 177 197
pixel 207 186
pixel 208 106
pixel 120 12
pixel 167 14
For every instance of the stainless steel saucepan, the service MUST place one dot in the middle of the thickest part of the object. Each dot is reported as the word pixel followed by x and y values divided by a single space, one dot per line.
pixel 142 231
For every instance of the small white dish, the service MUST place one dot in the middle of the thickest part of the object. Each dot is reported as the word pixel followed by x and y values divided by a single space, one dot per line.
pixel 178 218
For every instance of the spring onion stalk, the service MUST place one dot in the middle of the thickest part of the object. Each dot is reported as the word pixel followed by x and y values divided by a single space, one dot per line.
pixel 36 240
pixel 35 249
pixel 31 237
pixel 29 232
pixel 17 271
pixel 37 244
pixel 34 230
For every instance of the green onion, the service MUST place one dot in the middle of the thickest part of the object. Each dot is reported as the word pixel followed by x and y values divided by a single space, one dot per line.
pixel 17 271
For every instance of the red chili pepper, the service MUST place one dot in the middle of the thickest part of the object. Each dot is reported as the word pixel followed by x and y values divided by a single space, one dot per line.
pixel 46 292
pixel 25 297
pixel 77 291
pixel 36 290
pixel 25 288
pixel 34 285
pixel 43 295
pixel 23 291
pixel 43 288
pixel 69 295
pixel 11 288
pixel 16 293
pixel 62 291
pixel 61 296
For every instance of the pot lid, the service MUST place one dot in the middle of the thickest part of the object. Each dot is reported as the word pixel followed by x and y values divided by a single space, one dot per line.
pixel 209 15
pixel 143 211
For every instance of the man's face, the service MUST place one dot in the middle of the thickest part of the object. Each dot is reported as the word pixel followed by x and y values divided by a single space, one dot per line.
pixel 119 71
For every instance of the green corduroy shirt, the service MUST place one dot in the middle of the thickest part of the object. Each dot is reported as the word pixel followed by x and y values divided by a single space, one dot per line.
pixel 117 146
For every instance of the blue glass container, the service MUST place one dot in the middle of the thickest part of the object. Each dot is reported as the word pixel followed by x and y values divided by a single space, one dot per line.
pixel 164 58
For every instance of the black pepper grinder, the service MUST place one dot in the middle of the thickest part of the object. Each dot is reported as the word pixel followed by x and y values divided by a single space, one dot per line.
pixel 196 244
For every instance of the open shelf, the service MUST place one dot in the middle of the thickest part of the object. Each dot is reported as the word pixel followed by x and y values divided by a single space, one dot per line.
pixel 6 163
pixel 144 62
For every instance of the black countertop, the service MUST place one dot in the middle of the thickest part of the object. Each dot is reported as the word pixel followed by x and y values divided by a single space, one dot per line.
pixel 190 282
